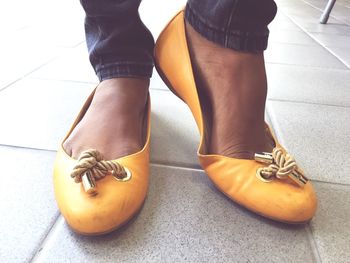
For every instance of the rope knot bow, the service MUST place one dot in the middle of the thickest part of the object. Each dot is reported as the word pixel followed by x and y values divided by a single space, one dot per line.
pixel 281 165
pixel 91 167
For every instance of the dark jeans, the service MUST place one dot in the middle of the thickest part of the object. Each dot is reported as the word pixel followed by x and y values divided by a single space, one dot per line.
pixel 120 45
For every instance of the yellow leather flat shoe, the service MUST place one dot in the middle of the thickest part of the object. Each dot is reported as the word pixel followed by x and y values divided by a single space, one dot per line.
pixel 272 185
pixel 97 196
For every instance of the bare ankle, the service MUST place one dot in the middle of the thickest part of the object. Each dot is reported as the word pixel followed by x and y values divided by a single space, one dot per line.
pixel 114 122
pixel 233 88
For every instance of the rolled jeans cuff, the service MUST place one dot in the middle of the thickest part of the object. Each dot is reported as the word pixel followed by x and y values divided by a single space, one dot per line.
pixel 239 40
pixel 124 70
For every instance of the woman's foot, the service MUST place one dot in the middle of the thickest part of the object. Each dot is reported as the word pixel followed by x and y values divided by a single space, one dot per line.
pixel 232 87
pixel 113 124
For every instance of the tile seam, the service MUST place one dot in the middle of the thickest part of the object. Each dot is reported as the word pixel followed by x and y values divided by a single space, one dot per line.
pixel 310 103
pixel 313 244
pixel 277 130
pixel 60 80
pixel 39 247
pixel 314 38
pixel 342 70
pixel 25 75
pixel 345 68
pixel 25 147
pixel 175 165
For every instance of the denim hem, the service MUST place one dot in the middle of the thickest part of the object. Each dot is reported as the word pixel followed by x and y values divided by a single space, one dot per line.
pixel 124 70
pixel 240 40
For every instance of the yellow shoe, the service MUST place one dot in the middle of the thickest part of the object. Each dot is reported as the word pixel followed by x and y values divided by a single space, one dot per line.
pixel 271 185
pixel 96 196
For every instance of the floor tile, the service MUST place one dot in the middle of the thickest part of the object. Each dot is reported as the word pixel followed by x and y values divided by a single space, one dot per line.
pixel 28 42
pixel 59 23
pixel 330 40
pixel 343 54
pixel 331 226
pixel 157 82
pixel 184 219
pixel 42 123
pixel 175 136
pixel 166 10
pixel 341 9
pixel 26 202
pixel 73 66
pixel 329 28
pixel 38 113
pixel 317 136
pixel 304 55
pixel 309 84
pixel 67 32
pixel 308 18
pixel 63 35
pixel 300 11
pixel 283 22
pixel 18 60
pixel 291 37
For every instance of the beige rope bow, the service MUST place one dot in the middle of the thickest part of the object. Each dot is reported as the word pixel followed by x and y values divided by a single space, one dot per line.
pixel 281 165
pixel 92 167
pixel 284 164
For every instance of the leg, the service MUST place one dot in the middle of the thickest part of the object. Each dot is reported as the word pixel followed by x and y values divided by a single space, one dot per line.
pixel 120 50
pixel 327 11
pixel 226 41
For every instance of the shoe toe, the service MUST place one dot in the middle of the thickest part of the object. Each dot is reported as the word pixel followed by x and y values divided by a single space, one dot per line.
pixel 287 202
pixel 113 205
pixel 281 200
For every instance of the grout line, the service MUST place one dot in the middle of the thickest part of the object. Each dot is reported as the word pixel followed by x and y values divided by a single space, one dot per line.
pixel 159 89
pixel 74 46
pixel 310 66
pixel 313 244
pixel 11 83
pixel 177 166
pixel 39 247
pixel 329 49
pixel 25 147
pixel 63 80
pixel 334 54
pixel 314 38
pixel 280 138
pixel 294 44
pixel 46 241
pixel 56 56
pixel 83 82
pixel 184 166
pixel 155 163
pixel 345 70
pixel 311 103
pixel 30 72
pixel 332 183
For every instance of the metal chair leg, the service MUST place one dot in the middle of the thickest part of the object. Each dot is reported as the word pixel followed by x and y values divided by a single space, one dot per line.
pixel 327 11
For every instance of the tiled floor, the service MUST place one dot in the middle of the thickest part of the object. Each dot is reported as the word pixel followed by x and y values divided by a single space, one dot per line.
pixel 46 77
